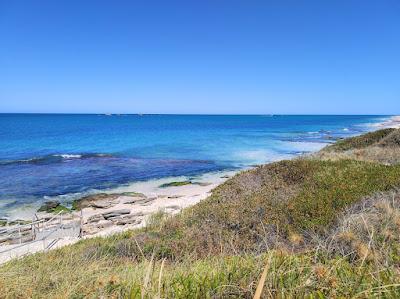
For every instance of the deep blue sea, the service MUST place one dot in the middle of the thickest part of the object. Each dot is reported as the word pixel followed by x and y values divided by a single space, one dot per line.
pixel 45 155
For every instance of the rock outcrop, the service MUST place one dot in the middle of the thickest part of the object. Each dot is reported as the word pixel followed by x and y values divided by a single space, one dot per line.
pixel 101 201
pixel 49 206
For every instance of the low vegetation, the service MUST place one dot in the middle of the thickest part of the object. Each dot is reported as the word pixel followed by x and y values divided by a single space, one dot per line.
pixel 380 146
pixel 175 184
pixel 327 225
pixel 383 138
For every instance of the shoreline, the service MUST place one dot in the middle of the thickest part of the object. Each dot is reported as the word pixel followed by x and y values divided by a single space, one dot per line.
pixel 170 199
pixel 137 210
pixel 25 211
pixel 390 122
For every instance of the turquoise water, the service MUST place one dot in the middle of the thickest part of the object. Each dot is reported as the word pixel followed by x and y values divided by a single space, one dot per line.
pixel 44 155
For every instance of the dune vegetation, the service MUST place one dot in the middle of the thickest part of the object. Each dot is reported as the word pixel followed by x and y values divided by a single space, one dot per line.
pixel 324 225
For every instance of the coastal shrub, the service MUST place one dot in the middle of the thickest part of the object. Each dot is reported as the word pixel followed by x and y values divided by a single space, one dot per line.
pixel 273 206
pixel 335 186
pixel 391 140
pixel 155 220
pixel 361 141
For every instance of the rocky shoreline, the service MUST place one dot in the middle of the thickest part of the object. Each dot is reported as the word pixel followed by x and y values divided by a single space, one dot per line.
pixel 103 214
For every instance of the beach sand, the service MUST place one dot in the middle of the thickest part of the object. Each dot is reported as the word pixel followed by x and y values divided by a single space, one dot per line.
pixel 392 122
pixel 170 200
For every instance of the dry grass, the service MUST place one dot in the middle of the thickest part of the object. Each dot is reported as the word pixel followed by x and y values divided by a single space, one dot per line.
pixel 66 273
pixel 62 274
pixel 382 146
pixel 383 155
pixel 367 231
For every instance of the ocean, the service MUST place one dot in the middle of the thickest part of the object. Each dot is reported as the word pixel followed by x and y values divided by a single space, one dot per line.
pixel 62 156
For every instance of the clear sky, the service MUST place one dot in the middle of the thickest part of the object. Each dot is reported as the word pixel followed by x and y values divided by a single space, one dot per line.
pixel 246 57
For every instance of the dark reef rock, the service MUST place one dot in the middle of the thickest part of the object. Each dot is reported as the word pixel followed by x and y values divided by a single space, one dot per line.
pixel 49 206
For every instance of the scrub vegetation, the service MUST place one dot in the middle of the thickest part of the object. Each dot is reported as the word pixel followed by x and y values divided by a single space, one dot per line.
pixel 325 225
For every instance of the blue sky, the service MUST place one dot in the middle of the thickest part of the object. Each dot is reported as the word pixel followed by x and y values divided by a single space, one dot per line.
pixel 245 57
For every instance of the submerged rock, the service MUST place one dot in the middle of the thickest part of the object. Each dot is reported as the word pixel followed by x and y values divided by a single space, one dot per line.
pixel 49 206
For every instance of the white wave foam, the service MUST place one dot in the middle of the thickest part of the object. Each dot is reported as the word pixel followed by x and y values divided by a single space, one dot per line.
pixel 391 122
pixel 69 156
pixel 384 122
pixel 23 211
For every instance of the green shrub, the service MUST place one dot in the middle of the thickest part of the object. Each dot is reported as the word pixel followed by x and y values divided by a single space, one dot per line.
pixel 361 141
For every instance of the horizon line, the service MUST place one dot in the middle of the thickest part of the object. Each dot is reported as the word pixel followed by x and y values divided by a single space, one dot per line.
pixel 195 114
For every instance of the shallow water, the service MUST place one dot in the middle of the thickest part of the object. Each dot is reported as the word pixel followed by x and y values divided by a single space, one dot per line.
pixel 44 155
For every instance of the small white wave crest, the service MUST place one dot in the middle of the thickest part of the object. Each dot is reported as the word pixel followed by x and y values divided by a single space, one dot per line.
pixel 69 156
